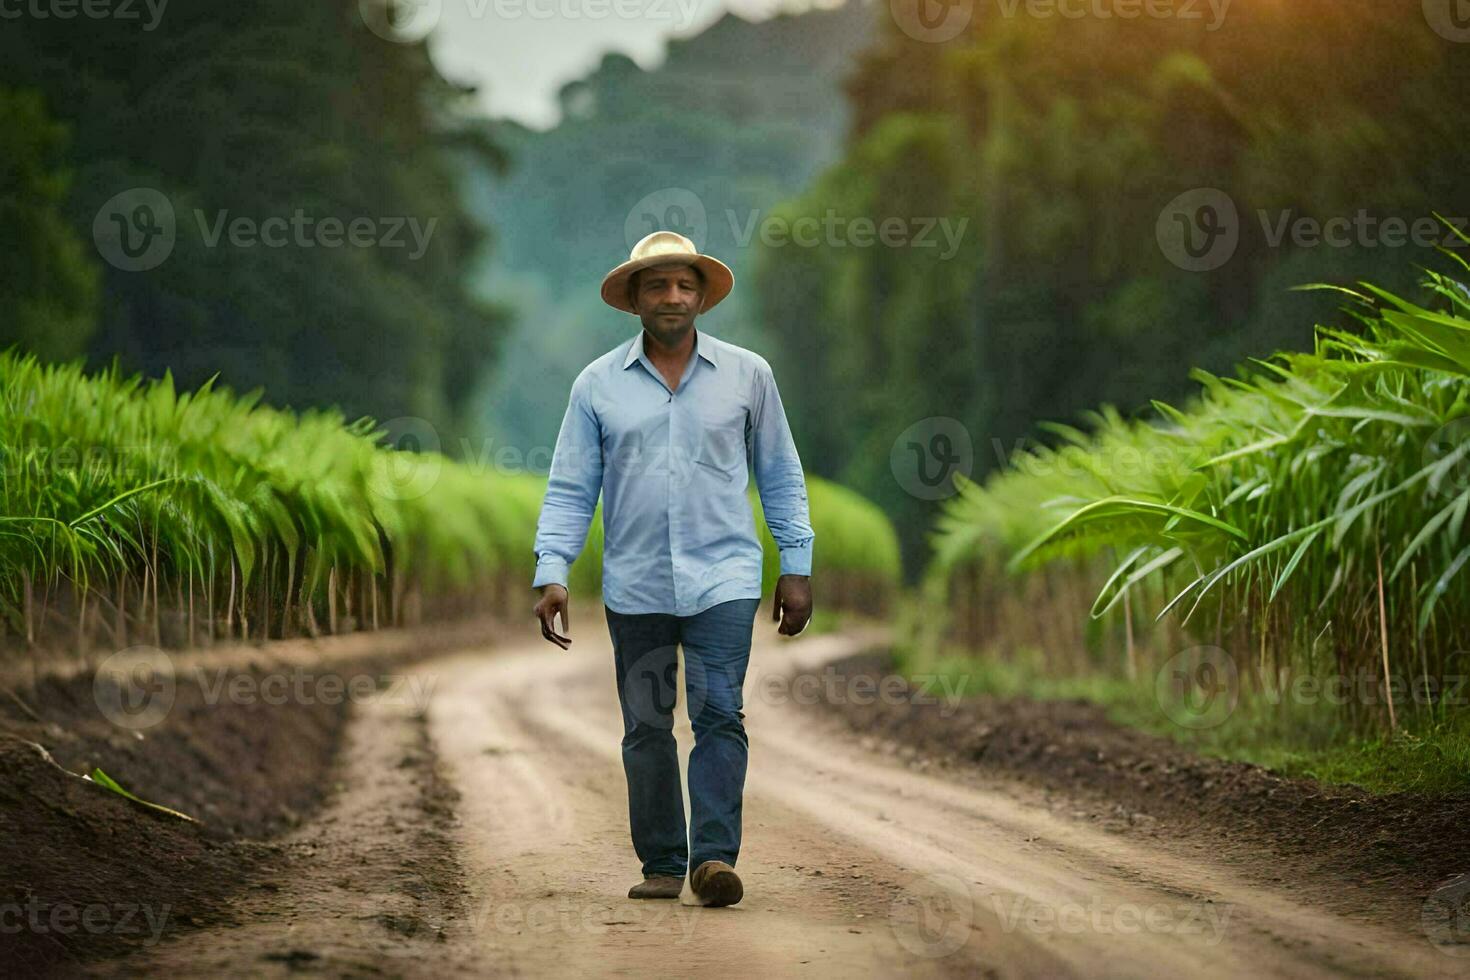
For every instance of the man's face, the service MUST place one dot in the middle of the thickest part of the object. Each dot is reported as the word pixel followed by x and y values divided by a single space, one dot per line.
pixel 668 298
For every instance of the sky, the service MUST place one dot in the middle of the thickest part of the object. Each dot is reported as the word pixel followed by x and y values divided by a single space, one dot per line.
pixel 520 52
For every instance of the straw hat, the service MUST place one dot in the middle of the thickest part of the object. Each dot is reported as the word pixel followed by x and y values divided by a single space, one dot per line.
pixel 665 248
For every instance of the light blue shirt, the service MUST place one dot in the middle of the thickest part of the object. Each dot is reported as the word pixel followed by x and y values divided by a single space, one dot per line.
pixel 673 466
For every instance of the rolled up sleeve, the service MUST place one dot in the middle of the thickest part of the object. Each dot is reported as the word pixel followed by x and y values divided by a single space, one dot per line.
pixel 572 489
pixel 779 477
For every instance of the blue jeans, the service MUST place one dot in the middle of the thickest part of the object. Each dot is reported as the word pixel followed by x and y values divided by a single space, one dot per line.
pixel 716 652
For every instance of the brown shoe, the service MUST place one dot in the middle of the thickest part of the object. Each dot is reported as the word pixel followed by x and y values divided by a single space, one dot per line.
pixel 716 884
pixel 658 886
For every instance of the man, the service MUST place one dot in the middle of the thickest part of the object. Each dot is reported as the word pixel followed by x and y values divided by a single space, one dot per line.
pixel 666 426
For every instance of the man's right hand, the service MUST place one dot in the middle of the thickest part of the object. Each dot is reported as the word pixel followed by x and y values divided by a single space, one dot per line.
pixel 554 600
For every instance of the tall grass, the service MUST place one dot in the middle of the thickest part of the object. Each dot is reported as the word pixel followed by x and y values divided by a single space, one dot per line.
pixel 131 512
pixel 1308 515
pixel 136 513
pixel 855 557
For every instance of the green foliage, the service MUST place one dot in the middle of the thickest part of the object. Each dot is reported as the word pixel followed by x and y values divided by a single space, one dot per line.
pixel 107 782
pixel 50 283
pixel 855 546
pixel 263 111
pixel 1060 142
pixel 1269 503
pixel 111 482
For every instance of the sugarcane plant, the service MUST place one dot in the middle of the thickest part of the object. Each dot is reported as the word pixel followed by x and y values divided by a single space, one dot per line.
pixel 1308 514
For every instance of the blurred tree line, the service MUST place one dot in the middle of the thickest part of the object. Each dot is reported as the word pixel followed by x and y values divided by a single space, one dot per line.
pixel 1062 141
pixel 261 111
pixel 50 287
pixel 736 117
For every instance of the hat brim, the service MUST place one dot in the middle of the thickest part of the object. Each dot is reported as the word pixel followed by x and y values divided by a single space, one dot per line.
pixel 718 279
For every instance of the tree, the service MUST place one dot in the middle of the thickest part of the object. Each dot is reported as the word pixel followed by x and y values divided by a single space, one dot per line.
pixel 50 287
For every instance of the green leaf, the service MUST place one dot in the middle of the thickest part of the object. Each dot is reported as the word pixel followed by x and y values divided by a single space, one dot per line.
pixel 107 782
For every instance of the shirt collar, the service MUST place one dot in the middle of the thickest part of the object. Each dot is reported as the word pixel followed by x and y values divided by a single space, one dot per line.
pixel 703 347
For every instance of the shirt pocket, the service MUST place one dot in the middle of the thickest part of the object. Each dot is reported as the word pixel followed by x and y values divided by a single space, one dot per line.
pixel 721 449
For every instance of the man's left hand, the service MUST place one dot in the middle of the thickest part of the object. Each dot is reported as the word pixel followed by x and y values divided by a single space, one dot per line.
pixel 792 604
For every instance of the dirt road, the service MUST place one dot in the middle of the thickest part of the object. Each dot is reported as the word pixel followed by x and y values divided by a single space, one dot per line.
pixel 488 835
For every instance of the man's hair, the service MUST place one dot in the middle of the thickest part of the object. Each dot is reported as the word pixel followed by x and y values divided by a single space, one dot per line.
pixel 633 281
